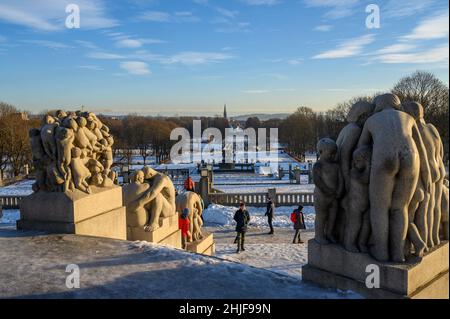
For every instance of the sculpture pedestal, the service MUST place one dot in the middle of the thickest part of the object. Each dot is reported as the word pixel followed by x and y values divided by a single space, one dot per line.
pixel 334 267
pixel 205 246
pixel 99 214
pixel 168 233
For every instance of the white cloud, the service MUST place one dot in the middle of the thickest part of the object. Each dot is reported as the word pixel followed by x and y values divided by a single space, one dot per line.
pixel 396 48
pixel 197 58
pixel 50 15
pixel 405 8
pixel 438 54
pixel 135 67
pixel 105 56
pixel 336 8
pixel 255 91
pixel 348 48
pixel 323 28
pixel 160 16
pixel 48 44
pixel 435 27
pixel 90 67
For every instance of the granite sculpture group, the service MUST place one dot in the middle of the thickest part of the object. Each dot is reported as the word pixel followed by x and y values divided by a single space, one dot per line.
pixel 380 187
pixel 72 156
pixel 72 151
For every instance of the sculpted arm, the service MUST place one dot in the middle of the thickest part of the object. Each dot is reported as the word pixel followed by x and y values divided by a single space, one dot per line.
pixel 366 136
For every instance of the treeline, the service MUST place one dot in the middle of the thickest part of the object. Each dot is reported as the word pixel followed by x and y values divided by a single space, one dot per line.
pixel 15 151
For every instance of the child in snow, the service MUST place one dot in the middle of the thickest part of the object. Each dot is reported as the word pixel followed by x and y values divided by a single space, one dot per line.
pixel 298 218
pixel 184 225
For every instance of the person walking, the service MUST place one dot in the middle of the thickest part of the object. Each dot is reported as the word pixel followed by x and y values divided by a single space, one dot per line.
pixel 269 213
pixel 298 218
pixel 184 225
pixel 189 185
pixel 242 218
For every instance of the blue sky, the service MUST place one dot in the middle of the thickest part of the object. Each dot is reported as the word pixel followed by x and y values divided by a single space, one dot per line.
pixel 176 57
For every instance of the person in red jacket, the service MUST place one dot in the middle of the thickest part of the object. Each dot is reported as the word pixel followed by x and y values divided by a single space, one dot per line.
pixel 189 185
pixel 183 225
pixel 298 218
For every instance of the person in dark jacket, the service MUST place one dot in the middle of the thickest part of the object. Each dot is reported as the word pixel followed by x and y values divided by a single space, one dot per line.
pixel 242 218
pixel 298 218
pixel 269 213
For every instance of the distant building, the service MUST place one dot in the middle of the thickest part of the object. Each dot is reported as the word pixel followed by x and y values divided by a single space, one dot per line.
pixel 225 114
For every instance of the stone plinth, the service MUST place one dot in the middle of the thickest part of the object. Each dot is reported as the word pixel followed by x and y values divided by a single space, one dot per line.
pixel 205 246
pixel 168 233
pixel 333 266
pixel 98 214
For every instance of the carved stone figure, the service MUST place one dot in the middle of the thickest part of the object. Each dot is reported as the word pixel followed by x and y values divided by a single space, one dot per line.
pixel 397 159
pixel 159 199
pixel 80 172
pixel 48 136
pixel 137 216
pixel 329 189
pixel 357 226
pixel 40 159
pixel 64 144
pixel 193 202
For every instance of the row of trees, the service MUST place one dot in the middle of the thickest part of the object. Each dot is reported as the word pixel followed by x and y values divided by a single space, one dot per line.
pixel 15 151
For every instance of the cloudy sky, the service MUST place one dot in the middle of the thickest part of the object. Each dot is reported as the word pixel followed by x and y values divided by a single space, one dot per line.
pixel 174 57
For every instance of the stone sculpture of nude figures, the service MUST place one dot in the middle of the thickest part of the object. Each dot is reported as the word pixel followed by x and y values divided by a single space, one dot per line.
pixel 159 199
pixel 137 216
pixel 357 226
pixel 329 189
pixel 193 202
pixel 398 156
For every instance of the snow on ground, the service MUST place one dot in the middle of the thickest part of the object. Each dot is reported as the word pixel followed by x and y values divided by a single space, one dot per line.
pixel 263 188
pixel 22 188
pixel 218 215
pixel 10 216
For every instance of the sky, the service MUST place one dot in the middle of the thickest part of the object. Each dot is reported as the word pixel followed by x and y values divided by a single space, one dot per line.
pixel 190 57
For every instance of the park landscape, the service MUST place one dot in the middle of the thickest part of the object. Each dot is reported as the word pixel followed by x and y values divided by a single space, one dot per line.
pixel 93 201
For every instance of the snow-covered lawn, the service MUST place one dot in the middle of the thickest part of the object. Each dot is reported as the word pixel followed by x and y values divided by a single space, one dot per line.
pixel 10 216
pixel 22 188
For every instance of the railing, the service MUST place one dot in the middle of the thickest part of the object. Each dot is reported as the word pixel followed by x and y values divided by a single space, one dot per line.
pixel 10 202
pixel 260 199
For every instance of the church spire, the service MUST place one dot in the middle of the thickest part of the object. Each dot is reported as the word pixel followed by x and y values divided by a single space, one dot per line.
pixel 225 115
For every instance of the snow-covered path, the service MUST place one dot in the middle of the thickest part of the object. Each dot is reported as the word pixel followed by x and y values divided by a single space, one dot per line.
pixel 271 252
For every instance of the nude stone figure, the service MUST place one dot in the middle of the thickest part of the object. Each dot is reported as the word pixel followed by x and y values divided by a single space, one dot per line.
pixel 81 140
pixel 428 215
pixel 80 172
pixel 346 143
pixel 48 136
pixel 137 216
pixel 159 199
pixel 193 202
pixel 40 159
pixel 398 156
pixel 64 144
pixel 329 190
pixel 357 227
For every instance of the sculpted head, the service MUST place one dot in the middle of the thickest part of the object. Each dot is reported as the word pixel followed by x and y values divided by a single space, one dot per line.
pixel 362 156
pixel 91 125
pixel 149 172
pixel 137 177
pixel 76 152
pixel 60 114
pixel 110 140
pixel 415 109
pixel 387 101
pixel 82 122
pixel 327 149
pixel 360 112
pixel 70 123
pixel 48 119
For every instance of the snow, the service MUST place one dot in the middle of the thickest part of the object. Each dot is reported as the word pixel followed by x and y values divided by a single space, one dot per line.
pixel 22 188
pixel 219 215
pixel 10 216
